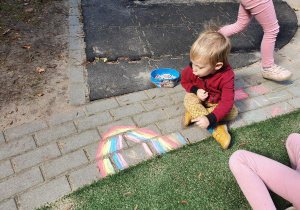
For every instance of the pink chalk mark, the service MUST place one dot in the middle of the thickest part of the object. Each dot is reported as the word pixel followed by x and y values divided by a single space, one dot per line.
pixel 101 168
pixel 277 110
pixel 147 150
pixel 239 94
pixel 259 89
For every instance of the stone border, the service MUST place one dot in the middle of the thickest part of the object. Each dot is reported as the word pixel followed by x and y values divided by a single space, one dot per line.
pixel 78 84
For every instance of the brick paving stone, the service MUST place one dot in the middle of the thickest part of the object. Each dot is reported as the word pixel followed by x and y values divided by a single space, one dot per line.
pixel 75 31
pixel 73 11
pixel 76 74
pixel 16 147
pixel 85 175
pixel 101 105
pixel 37 156
pixel 194 133
pixel 47 192
pixel 170 125
pixel 279 96
pixel 179 88
pixel 82 139
pixel 123 122
pixel 75 56
pixel 75 43
pixel 257 90
pixel 257 115
pixel 77 94
pixel 158 103
pixel 279 109
pixel 20 183
pixel 92 151
pixel 9 205
pixel 236 123
pixel 127 110
pixel 150 117
pixel 65 117
pixel 242 82
pixel 252 103
pixel 178 97
pixel 134 155
pixel 295 102
pixel 295 91
pixel 175 110
pixel 153 128
pixel 240 105
pixel 278 86
pixel 157 92
pixel 55 133
pixel 6 169
pixel 94 121
pixel 22 130
pixel 132 97
pixel 2 139
pixel 73 3
pixel 64 163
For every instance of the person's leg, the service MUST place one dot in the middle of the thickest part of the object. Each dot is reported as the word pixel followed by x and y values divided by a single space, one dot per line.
pixel 256 174
pixel 293 149
pixel 194 106
pixel 243 20
pixel 220 131
pixel 230 116
pixel 265 14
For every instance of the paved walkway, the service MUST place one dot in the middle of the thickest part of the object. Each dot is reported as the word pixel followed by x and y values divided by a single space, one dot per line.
pixel 44 160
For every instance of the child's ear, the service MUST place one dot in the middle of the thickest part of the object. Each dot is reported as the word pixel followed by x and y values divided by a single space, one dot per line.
pixel 218 66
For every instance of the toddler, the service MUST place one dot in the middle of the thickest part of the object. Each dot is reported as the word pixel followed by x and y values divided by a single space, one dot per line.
pixel 209 83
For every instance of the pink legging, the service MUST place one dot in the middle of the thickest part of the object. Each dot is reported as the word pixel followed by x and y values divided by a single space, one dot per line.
pixel 255 173
pixel 264 13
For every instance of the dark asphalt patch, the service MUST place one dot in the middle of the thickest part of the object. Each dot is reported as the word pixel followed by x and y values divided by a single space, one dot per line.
pixel 160 34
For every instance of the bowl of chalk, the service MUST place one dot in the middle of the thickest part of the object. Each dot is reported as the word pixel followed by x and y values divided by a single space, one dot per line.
pixel 164 77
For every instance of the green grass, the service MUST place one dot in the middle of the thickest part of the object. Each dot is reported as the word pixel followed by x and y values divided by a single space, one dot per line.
pixel 166 181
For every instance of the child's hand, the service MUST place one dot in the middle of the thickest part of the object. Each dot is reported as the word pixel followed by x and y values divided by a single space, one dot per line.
pixel 202 122
pixel 202 94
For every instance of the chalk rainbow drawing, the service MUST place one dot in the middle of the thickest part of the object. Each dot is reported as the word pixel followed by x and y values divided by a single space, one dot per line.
pixel 113 142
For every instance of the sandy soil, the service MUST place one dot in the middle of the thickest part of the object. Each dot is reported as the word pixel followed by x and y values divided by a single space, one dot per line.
pixel 34 74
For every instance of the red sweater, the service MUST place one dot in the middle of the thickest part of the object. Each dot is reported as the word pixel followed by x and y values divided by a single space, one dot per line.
pixel 220 88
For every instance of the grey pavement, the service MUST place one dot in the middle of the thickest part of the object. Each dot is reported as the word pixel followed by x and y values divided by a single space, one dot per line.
pixel 42 161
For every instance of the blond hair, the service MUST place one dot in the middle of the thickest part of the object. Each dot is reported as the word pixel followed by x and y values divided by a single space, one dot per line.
pixel 211 45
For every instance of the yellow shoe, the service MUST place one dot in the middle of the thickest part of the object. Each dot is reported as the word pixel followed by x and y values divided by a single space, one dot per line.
pixel 220 133
pixel 186 119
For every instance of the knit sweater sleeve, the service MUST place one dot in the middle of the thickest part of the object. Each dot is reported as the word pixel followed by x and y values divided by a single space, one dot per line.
pixel 227 97
pixel 187 80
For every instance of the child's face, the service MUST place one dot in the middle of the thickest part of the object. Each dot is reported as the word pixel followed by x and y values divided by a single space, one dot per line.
pixel 202 67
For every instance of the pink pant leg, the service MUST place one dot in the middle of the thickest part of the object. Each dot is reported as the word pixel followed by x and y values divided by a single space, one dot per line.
pixel 293 149
pixel 256 174
pixel 265 14
pixel 243 20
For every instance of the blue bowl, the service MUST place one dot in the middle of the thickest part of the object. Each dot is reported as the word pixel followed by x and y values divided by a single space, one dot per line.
pixel 164 77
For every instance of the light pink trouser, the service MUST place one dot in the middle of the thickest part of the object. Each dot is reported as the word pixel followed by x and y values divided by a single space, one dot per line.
pixel 255 173
pixel 264 13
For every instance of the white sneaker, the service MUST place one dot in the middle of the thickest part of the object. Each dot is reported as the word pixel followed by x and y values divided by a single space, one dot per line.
pixel 276 73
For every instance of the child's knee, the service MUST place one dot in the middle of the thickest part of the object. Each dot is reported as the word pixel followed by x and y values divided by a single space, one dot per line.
pixel 236 159
pixel 292 140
